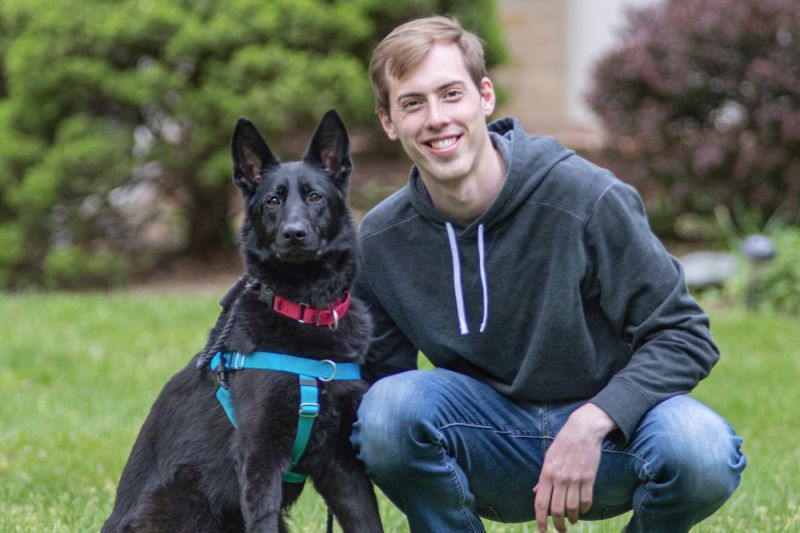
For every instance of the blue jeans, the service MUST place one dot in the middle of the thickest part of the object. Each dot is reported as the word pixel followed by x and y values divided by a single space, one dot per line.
pixel 446 449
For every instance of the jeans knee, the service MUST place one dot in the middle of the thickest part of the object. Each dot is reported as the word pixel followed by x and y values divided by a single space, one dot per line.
pixel 700 455
pixel 390 420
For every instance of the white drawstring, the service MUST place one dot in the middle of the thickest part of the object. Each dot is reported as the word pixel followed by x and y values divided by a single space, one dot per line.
pixel 462 320
pixel 458 289
pixel 484 285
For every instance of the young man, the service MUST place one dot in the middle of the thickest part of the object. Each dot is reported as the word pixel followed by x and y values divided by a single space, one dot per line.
pixel 562 333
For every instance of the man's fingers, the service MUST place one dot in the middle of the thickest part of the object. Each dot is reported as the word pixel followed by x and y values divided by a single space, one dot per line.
pixel 541 505
pixel 557 501
pixel 586 496
pixel 573 501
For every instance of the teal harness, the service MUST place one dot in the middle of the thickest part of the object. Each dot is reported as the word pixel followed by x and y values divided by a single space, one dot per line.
pixel 308 371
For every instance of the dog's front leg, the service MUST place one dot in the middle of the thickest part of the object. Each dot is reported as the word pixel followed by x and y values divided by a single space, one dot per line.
pixel 348 491
pixel 261 493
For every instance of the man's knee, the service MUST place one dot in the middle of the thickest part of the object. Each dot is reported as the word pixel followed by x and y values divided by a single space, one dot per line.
pixel 391 417
pixel 698 452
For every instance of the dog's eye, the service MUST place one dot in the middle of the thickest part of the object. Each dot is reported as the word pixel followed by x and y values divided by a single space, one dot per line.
pixel 273 201
pixel 314 197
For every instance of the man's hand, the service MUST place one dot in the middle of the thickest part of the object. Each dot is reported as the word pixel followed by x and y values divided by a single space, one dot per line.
pixel 570 466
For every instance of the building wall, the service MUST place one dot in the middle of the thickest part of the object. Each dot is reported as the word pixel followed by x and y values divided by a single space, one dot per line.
pixel 535 74
pixel 552 46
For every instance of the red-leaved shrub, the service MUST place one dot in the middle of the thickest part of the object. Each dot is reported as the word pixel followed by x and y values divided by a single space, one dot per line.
pixel 701 101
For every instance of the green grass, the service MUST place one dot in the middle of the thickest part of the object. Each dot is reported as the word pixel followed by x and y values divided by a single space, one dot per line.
pixel 78 374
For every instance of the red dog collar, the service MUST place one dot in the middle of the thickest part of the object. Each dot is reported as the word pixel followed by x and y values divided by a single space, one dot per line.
pixel 306 314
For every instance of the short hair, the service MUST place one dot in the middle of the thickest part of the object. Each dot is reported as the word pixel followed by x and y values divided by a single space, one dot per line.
pixel 409 43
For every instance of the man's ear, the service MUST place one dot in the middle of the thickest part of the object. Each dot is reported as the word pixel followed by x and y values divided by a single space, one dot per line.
pixel 329 148
pixel 488 97
pixel 251 156
pixel 386 122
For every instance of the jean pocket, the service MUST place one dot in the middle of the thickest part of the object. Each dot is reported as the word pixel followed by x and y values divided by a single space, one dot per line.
pixel 488 512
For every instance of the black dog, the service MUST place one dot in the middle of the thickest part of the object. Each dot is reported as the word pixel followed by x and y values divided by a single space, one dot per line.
pixel 190 469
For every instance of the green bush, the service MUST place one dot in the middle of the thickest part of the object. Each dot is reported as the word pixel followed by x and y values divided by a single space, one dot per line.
pixel 102 102
pixel 71 267
pixel 11 249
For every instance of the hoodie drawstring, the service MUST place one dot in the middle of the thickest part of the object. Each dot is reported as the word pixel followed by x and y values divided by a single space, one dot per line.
pixel 457 286
pixel 484 285
pixel 462 320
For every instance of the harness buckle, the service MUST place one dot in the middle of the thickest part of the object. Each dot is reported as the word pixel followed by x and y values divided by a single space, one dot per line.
pixel 222 379
pixel 308 410
pixel 220 374
pixel 333 370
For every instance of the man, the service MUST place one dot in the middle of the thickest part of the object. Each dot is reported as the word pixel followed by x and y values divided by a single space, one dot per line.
pixel 562 333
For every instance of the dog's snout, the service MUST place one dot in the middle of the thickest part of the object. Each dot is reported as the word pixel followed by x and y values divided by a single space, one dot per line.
pixel 294 231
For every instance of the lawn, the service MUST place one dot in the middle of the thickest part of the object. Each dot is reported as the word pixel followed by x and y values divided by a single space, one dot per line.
pixel 79 373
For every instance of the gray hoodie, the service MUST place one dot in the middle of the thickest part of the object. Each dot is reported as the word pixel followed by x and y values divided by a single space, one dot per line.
pixel 558 292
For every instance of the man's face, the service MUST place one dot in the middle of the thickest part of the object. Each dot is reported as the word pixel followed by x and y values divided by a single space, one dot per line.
pixel 439 115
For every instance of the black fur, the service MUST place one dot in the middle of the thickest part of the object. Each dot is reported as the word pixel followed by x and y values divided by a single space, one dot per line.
pixel 190 470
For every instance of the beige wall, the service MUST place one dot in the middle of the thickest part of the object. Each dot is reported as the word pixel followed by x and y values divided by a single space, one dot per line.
pixel 534 76
pixel 552 46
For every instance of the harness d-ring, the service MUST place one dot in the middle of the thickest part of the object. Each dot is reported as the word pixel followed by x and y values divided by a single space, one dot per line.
pixel 333 370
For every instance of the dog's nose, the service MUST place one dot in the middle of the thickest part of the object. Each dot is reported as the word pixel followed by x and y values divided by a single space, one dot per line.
pixel 295 231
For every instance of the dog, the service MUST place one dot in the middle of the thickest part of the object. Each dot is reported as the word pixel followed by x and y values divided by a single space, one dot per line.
pixel 216 451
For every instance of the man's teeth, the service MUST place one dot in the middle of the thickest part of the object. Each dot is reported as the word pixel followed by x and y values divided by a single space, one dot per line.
pixel 443 143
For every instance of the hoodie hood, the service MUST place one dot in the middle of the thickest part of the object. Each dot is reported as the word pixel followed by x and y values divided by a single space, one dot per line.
pixel 527 160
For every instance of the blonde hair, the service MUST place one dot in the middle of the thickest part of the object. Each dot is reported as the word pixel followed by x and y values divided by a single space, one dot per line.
pixel 409 43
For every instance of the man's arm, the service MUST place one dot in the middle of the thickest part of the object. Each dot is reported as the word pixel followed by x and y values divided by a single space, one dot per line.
pixel 642 292
pixel 389 351
pixel 643 295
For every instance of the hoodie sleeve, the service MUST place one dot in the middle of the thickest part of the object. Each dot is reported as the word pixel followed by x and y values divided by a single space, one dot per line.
pixel 389 351
pixel 642 292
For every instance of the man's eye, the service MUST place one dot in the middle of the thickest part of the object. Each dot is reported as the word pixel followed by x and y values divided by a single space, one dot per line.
pixel 410 105
pixel 452 94
pixel 273 201
pixel 314 197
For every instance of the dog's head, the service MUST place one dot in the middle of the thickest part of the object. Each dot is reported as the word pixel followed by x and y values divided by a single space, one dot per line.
pixel 295 211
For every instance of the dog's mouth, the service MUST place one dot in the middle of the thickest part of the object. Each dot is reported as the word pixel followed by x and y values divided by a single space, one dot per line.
pixel 297 254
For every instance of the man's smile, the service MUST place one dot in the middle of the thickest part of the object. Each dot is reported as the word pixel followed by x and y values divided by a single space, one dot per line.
pixel 442 144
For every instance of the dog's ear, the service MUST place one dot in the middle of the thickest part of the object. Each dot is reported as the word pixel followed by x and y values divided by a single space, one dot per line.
pixel 251 156
pixel 330 148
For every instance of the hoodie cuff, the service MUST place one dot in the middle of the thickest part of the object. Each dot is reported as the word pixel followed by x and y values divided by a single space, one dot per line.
pixel 624 403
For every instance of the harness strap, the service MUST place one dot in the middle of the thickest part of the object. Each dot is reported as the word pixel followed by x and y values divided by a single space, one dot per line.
pixel 308 372
pixel 324 369
pixel 309 409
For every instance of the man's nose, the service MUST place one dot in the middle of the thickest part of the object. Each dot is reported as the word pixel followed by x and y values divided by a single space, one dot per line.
pixel 437 117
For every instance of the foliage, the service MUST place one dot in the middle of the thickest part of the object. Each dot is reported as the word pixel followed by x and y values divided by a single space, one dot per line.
pixel 68 267
pixel 80 377
pixel 778 281
pixel 702 104
pixel 115 117
pixel 780 286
